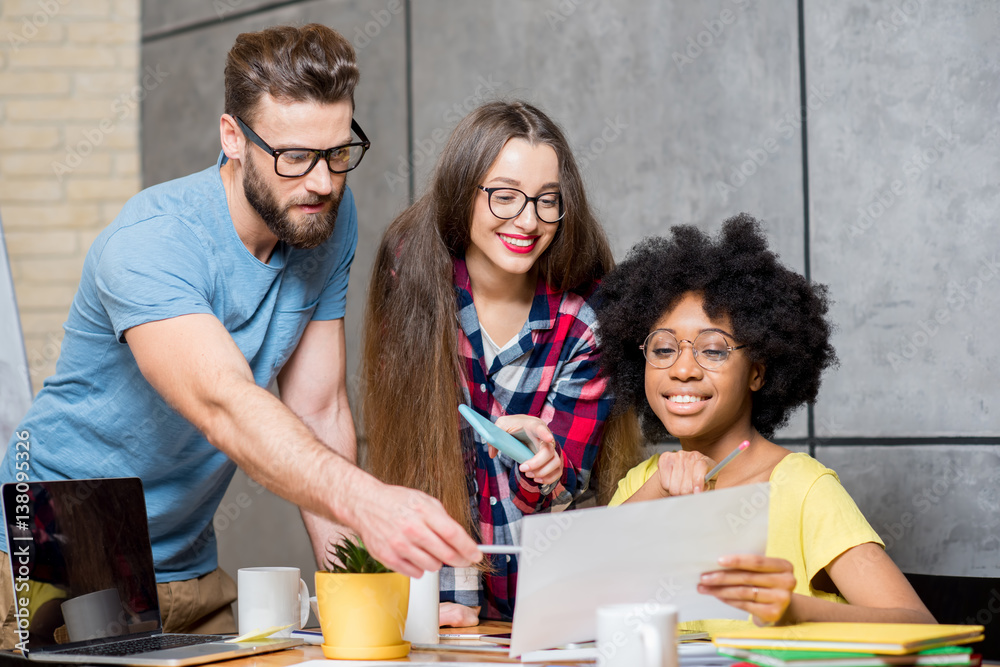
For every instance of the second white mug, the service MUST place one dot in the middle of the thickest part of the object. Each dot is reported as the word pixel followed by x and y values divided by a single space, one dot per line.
pixel 637 635
pixel 97 614
pixel 422 624
pixel 272 596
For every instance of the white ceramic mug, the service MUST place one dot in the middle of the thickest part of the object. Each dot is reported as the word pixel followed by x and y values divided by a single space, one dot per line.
pixel 637 635
pixel 422 615
pixel 97 614
pixel 272 596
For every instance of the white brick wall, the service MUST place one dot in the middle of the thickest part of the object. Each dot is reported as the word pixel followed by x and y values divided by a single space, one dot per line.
pixel 69 148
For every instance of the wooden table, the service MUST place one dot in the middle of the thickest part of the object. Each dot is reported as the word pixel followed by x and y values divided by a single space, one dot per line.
pixel 304 653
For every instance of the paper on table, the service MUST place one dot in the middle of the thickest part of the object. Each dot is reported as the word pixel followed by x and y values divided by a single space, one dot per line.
pixel 308 636
pixel 573 562
pixel 560 655
pixel 694 654
pixel 701 654
pixel 257 633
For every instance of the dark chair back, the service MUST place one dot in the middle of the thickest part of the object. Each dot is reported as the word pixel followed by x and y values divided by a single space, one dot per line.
pixel 964 601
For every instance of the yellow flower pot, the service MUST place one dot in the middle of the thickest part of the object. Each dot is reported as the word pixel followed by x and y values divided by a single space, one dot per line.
pixel 363 615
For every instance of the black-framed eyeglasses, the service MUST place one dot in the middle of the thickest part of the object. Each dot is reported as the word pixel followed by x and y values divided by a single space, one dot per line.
pixel 711 349
pixel 507 203
pixel 295 162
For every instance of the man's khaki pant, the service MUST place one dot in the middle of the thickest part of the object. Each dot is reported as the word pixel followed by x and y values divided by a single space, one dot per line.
pixel 200 606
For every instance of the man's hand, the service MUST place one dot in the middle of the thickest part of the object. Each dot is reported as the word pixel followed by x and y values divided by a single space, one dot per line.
pixel 410 532
pixel 454 615
pixel 546 466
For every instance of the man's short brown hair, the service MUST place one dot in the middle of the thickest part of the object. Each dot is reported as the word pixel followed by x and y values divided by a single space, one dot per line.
pixel 294 64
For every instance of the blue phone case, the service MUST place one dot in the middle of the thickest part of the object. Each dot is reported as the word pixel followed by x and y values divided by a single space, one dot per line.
pixel 496 436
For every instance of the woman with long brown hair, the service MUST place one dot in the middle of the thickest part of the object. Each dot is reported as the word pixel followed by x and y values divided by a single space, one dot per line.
pixel 480 295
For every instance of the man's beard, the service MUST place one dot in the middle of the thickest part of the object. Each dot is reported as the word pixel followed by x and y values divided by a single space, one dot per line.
pixel 311 231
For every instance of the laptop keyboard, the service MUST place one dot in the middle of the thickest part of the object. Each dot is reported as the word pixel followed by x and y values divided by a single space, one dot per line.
pixel 144 645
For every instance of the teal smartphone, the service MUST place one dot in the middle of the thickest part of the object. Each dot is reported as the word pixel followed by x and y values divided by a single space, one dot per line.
pixel 495 435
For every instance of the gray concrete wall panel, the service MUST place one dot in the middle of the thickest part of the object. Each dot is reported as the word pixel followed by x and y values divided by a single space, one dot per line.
pixel 903 164
pixel 678 113
pixel 663 102
pixel 934 506
pixel 160 16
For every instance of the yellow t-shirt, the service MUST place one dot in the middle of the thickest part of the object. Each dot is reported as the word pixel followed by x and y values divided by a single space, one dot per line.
pixel 811 520
pixel 40 592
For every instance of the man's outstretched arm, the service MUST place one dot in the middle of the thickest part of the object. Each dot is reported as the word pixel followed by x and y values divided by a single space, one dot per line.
pixel 193 362
pixel 313 384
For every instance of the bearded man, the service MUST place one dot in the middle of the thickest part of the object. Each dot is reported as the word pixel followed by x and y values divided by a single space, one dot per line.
pixel 201 293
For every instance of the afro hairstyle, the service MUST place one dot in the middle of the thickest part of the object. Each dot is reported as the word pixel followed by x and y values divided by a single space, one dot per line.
pixel 776 313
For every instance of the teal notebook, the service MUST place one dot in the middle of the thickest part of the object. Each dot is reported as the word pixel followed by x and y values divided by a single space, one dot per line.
pixel 947 655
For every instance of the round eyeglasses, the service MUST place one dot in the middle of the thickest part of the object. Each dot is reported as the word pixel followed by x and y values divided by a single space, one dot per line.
pixel 710 349
pixel 295 162
pixel 507 203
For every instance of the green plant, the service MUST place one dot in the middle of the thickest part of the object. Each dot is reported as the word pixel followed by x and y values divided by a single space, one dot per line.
pixel 354 558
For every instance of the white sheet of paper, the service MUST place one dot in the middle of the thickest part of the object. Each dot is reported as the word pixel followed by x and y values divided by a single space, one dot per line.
pixel 551 655
pixel 695 654
pixel 650 552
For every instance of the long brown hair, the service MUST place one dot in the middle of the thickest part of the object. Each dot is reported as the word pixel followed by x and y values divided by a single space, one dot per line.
pixel 411 365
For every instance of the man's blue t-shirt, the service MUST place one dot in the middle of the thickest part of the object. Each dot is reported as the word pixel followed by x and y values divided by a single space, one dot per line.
pixel 172 251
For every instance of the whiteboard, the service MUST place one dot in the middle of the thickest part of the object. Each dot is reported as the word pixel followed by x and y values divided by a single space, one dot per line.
pixel 15 381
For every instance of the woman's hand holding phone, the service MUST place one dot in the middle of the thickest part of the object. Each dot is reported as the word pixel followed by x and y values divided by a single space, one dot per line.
pixel 546 466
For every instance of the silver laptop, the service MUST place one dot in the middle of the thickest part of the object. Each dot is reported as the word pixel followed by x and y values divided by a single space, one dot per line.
pixel 84 585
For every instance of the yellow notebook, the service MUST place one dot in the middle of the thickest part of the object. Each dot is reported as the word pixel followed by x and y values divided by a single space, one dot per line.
pixel 882 638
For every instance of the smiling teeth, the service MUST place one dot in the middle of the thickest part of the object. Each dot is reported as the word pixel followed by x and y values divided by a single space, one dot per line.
pixel 685 399
pixel 520 243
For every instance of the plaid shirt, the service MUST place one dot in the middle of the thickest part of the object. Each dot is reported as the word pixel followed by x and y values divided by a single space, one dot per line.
pixel 549 371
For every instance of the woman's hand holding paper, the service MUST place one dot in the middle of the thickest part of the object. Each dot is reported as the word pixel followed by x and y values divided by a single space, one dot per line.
pixel 757 584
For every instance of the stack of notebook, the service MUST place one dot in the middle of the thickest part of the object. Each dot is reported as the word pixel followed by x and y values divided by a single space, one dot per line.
pixel 853 645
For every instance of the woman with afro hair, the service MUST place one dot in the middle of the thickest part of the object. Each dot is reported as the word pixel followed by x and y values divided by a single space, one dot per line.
pixel 718 342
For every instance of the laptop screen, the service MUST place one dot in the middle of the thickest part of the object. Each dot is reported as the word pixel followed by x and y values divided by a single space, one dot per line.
pixel 81 560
